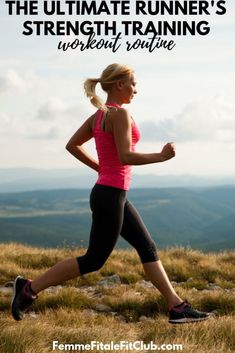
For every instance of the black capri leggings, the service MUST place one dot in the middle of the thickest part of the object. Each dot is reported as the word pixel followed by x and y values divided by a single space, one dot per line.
pixel 113 214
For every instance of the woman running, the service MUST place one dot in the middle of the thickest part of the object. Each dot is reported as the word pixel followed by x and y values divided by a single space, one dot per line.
pixel 115 134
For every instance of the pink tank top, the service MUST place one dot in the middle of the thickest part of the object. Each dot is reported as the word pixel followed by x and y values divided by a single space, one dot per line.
pixel 111 171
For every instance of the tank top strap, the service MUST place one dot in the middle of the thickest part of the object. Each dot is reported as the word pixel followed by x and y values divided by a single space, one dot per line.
pixel 113 105
pixel 98 119
pixel 100 113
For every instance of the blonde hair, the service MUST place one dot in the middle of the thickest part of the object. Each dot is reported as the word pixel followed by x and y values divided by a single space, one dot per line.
pixel 110 75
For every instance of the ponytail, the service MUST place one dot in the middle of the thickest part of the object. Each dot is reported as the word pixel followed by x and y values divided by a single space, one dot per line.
pixel 110 75
pixel 89 86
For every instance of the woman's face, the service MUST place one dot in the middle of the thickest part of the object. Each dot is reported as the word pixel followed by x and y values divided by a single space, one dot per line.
pixel 128 89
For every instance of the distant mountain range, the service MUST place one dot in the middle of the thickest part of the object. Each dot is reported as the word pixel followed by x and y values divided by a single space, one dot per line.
pixel 25 179
pixel 201 218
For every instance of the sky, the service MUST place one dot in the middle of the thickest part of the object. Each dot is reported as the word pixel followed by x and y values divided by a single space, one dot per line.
pixel 185 96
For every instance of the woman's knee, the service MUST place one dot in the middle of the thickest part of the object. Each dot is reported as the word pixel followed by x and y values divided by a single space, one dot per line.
pixel 149 253
pixel 89 264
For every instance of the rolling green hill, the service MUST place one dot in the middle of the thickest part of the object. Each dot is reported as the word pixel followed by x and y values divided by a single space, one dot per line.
pixel 199 218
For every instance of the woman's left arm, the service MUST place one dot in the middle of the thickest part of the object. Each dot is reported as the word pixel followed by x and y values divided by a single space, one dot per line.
pixel 74 146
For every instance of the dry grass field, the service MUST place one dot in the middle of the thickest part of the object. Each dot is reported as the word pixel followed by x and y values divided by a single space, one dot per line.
pixel 118 303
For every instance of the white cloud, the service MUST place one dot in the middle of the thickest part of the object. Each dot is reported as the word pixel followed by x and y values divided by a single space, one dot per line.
pixel 51 109
pixel 210 120
pixel 12 80
pixel 56 108
pixel 54 119
pixel 4 119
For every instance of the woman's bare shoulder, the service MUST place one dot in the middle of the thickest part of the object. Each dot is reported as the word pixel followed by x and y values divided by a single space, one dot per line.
pixel 119 115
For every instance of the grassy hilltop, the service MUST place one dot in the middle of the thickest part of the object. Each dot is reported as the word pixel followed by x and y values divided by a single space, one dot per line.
pixel 103 307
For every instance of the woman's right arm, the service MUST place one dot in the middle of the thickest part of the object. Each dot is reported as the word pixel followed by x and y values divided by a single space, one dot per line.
pixel 121 127
pixel 75 144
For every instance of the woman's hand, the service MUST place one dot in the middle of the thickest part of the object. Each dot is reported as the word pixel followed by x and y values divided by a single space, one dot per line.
pixel 168 151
